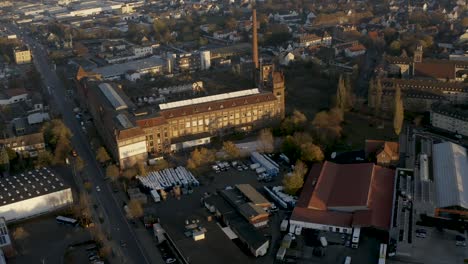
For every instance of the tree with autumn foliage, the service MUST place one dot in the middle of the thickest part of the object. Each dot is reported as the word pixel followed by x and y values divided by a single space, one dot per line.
pixel 294 181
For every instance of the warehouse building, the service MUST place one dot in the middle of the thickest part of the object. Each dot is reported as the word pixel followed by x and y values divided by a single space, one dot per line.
pixel 340 197
pixel 33 193
pixel 450 168
pixel 138 68
pixel 254 214
pixel 250 237
pixel 253 196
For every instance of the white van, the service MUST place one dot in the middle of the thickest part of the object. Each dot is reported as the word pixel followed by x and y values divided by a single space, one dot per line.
pixel 347 260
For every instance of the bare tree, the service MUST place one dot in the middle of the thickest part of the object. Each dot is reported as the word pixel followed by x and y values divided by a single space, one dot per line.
pixel 231 149
pixel 378 97
pixel 296 122
pixel 129 173
pixel 80 164
pixel 341 95
pixel 294 181
pixel 200 157
pixel 265 141
pixel 327 125
pixel 135 209
pixel 20 233
pixel 112 172
pixel 101 155
pixel 399 111
pixel 141 168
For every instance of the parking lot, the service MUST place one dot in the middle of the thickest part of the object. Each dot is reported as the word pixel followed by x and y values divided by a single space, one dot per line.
pixel 216 247
pixel 45 240
pixel 438 247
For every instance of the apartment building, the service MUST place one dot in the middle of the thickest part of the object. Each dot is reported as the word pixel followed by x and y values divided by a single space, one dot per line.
pixel 22 55
pixel 450 118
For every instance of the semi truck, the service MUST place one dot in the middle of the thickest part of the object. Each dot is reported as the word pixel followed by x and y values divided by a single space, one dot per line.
pixel 356 235
pixel 156 196
pixel 284 225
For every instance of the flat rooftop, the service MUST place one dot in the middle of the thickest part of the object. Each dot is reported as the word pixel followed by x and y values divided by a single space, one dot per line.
pixel 136 65
pixel 30 184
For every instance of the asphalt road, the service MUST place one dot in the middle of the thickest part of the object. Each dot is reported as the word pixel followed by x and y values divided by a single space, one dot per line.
pixel 115 222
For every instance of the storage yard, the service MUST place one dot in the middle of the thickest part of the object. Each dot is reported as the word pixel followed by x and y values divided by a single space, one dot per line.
pixel 178 216
pixel 168 178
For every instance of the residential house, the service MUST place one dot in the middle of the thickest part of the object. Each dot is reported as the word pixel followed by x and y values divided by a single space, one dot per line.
pixel 386 153
pixel 22 55
pixel 285 58
pixel 311 40
pixel 11 96
pixel 355 51
pixel 26 145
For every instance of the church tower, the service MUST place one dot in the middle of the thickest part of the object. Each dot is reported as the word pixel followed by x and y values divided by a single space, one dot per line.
pixel 418 54
pixel 278 92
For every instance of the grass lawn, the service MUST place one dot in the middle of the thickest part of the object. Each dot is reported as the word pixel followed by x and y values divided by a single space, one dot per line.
pixel 357 128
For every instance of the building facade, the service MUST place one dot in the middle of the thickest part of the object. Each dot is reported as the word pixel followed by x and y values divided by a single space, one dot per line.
pixel 22 55
pixel 131 133
pixel 450 118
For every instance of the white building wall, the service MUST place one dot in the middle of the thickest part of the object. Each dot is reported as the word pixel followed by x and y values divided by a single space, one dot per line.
pixel 37 205
pixel 338 229
pixel 205 60
pixel 14 99
pixel 449 123
pixel 132 150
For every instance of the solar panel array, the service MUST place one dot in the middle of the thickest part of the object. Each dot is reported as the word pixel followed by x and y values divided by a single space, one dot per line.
pixel 207 99
pixel 112 96
pixel 29 185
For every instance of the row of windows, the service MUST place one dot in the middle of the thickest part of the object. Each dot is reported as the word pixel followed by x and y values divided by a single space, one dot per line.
pixel 130 141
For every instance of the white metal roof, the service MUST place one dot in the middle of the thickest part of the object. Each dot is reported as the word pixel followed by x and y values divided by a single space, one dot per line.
pixel 450 164
pixel 115 70
pixel 112 96
pixel 210 98
pixel 29 185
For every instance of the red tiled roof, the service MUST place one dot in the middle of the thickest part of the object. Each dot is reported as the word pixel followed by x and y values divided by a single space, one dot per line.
pixel 217 105
pixel 374 146
pixel 435 69
pixel 380 201
pixel 326 217
pixel 333 186
pixel 373 34
pixel 15 92
pixel 364 185
pixel 358 47
pixel 398 60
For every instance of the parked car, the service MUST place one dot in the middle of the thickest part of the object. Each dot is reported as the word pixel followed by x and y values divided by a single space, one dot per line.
pixel 421 233
pixel 460 241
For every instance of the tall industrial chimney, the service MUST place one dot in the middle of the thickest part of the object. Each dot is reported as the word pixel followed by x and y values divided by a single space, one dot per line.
pixel 254 43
